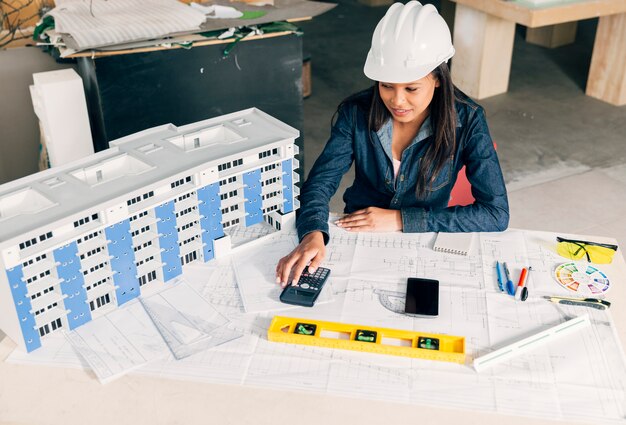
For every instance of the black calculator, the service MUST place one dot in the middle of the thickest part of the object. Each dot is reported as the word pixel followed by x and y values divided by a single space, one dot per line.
pixel 308 288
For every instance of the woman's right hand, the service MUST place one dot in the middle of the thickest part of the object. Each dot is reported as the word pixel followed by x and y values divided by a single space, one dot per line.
pixel 311 249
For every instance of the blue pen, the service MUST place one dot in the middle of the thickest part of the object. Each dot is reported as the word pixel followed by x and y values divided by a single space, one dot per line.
pixel 510 288
pixel 499 276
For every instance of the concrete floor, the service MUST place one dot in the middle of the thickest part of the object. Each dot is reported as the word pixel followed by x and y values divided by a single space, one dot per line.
pixel 563 154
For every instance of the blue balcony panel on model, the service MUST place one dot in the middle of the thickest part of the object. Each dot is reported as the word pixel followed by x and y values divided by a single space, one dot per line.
pixel 72 285
pixel 23 307
pixel 252 193
pixel 287 186
pixel 210 217
pixel 122 261
pixel 168 240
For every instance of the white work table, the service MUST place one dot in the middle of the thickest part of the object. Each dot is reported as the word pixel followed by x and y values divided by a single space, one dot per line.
pixel 41 395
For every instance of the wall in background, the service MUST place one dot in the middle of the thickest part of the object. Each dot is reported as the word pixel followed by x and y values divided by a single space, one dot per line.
pixel 19 126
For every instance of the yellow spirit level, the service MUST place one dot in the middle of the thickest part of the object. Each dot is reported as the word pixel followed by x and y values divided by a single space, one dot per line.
pixel 447 348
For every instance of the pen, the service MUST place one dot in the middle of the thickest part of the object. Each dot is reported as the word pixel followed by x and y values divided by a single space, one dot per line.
pixel 521 292
pixel 499 276
pixel 584 302
pixel 510 288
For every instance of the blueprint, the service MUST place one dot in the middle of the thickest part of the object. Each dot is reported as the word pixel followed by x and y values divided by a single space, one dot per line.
pixel 242 235
pixel 187 323
pixel 255 271
pixel 340 250
pixel 118 342
pixel 581 377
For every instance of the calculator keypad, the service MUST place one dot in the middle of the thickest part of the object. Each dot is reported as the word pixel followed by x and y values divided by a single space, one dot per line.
pixel 313 281
pixel 307 289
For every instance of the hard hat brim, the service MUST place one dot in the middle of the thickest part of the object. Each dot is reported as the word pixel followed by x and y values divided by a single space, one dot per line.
pixel 395 74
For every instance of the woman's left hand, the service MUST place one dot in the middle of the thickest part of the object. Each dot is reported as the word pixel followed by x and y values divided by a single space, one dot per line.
pixel 371 219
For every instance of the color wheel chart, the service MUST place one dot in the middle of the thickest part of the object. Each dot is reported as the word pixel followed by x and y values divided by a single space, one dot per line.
pixel 582 278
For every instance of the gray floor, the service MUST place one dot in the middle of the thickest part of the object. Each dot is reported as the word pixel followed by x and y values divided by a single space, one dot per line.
pixel 563 154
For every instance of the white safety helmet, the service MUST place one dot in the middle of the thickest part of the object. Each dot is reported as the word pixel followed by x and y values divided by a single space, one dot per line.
pixel 408 43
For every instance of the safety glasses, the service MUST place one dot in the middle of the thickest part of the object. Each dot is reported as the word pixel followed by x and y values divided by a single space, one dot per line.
pixel 598 253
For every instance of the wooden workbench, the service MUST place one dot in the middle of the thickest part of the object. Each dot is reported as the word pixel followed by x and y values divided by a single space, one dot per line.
pixel 484 32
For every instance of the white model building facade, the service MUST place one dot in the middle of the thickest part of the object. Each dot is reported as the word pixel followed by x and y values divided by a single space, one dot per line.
pixel 80 240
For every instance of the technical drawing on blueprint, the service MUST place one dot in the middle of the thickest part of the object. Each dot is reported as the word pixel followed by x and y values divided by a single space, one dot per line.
pixel 581 377
pixel 187 323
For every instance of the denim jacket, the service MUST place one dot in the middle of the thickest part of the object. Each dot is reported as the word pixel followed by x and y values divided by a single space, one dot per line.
pixel 374 184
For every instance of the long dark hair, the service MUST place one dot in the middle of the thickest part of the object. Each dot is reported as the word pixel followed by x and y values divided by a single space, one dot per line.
pixel 442 119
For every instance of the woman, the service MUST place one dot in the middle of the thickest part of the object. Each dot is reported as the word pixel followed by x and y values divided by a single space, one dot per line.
pixel 408 136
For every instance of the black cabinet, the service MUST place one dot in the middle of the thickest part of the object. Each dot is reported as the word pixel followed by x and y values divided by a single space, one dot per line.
pixel 130 92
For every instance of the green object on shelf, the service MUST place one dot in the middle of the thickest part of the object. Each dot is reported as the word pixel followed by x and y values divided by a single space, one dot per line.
pixel 242 32
pixel 253 14
pixel 46 24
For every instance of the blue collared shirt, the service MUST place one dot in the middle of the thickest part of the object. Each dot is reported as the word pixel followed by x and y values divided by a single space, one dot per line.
pixel 352 142
pixel 385 135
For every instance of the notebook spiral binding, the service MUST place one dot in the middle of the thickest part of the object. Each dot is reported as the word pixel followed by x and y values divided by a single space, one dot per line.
pixel 450 251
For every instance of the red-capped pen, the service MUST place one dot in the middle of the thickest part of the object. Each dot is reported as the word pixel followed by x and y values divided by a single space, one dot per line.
pixel 521 292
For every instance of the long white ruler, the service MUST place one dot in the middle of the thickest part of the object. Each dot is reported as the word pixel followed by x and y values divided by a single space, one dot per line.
pixel 526 344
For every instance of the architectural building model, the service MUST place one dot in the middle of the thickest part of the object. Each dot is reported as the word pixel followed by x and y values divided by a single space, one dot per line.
pixel 80 240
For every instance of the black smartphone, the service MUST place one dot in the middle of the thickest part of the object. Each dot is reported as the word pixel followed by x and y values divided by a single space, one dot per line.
pixel 422 297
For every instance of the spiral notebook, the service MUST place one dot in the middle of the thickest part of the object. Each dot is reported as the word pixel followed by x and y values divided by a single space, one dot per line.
pixel 454 243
